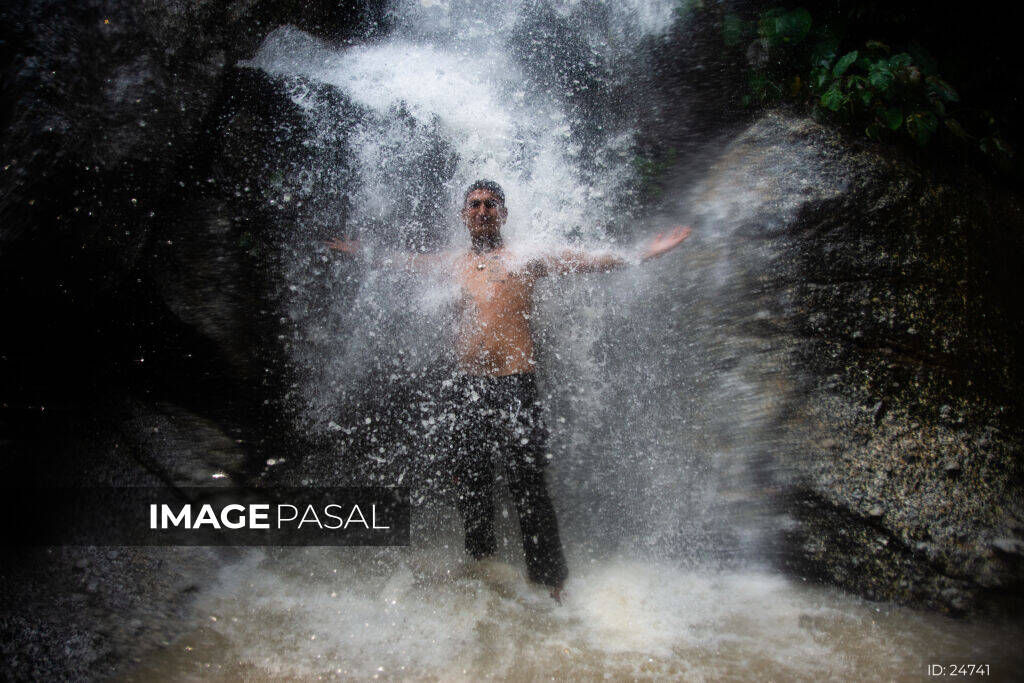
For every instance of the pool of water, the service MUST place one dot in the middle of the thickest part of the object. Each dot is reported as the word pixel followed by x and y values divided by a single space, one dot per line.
pixel 426 613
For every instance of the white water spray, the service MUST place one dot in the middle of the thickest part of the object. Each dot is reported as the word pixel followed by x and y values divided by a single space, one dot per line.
pixel 453 95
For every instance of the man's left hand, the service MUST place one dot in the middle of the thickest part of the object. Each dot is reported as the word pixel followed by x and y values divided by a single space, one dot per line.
pixel 664 242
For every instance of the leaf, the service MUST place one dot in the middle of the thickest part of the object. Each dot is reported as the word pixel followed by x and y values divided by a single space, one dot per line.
pixel 818 78
pixel 833 99
pixel 844 63
pixel 1000 152
pixel 858 85
pixel 892 117
pixel 900 60
pixel 921 125
pixel 1003 146
pixel 766 27
pixel 942 89
pixel 873 131
pixel 955 128
pixel 877 46
pixel 929 121
pixel 880 76
pixel 797 24
pixel 922 58
pixel 758 82
pixel 781 26
pixel 825 51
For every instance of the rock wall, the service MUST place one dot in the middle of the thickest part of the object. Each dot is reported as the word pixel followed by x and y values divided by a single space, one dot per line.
pixel 883 298
pixel 138 347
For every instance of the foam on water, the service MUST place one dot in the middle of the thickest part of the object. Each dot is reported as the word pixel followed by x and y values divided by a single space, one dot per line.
pixel 362 613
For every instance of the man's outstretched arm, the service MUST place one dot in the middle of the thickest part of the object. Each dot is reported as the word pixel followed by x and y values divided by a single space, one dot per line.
pixel 570 261
pixel 420 262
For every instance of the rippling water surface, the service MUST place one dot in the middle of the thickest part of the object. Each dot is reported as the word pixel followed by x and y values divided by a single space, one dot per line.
pixel 425 613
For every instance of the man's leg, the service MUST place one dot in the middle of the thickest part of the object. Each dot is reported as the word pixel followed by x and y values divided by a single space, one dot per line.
pixel 524 465
pixel 542 546
pixel 475 498
pixel 471 471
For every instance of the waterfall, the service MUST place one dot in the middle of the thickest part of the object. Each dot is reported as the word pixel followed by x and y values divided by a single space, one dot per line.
pixel 548 100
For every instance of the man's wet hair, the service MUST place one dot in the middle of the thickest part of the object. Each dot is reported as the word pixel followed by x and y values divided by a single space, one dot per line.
pixel 488 185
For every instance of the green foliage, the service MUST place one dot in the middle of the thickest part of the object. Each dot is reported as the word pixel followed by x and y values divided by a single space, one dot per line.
pixel 890 93
pixel 844 63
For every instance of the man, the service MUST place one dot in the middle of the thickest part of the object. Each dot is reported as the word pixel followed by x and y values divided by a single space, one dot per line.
pixel 493 401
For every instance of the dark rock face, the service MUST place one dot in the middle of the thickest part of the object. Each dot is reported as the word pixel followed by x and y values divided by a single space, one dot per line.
pixel 134 287
pixel 111 124
pixel 886 304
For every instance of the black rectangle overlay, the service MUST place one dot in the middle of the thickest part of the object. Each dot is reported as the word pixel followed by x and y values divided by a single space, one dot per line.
pixel 204 516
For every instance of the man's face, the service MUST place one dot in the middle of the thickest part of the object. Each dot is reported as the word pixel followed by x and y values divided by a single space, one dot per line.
pixel 483 213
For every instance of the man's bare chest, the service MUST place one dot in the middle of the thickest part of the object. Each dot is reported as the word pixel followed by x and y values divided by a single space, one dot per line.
pixel 495 285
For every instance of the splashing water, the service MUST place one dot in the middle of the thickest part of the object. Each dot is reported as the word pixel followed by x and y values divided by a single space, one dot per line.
pixel 538 97
pixel 393 615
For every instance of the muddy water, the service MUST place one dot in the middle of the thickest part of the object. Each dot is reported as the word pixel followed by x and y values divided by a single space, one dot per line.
pixel 426 613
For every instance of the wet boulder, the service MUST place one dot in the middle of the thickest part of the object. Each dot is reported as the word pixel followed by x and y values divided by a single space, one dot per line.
pixel 878 299
pixel 111 124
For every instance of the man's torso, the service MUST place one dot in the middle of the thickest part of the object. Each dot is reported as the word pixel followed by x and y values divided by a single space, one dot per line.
pixel 493 331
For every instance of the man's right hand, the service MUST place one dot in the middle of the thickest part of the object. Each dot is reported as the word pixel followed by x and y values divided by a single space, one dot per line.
pixel 347 246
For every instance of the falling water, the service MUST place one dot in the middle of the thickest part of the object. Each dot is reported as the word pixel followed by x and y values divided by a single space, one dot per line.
pixel 655 411
pixel 453 96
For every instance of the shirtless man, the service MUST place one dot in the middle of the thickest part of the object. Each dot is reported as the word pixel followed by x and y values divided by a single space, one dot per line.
pixel 494 398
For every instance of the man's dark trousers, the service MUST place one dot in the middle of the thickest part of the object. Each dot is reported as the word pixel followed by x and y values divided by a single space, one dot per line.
pixel 499 420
